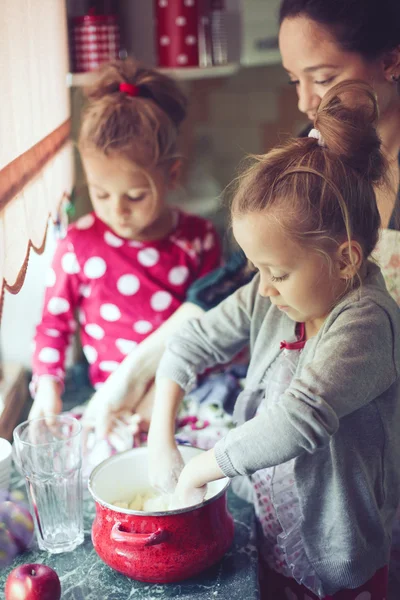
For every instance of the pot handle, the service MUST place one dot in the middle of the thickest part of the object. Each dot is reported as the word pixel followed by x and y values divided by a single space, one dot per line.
pixel 138 540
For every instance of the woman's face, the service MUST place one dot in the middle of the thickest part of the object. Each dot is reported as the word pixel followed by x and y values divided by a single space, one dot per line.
pixel 315 62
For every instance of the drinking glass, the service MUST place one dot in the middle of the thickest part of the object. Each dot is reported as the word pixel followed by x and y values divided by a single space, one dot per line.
pixel 48 452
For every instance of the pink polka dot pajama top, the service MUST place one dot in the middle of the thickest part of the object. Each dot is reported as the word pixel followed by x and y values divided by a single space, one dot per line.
pixel 120 290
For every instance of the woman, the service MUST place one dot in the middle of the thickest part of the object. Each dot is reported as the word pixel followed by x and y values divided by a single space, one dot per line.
pixel 322 42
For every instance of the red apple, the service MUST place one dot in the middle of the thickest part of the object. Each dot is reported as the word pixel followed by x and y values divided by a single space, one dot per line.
pixel 33 582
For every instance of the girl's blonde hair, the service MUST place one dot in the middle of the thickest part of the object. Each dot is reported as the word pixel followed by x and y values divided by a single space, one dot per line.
pixel 144 128
pixel 322 191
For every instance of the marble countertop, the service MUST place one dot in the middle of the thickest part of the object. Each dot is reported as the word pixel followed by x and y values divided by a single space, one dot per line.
pixel 85 577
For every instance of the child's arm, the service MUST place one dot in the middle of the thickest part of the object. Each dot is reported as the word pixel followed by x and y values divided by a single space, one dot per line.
pixel 54 331
pixel 215 338
pixel 165 461
pixel 127 386
pixel 354 364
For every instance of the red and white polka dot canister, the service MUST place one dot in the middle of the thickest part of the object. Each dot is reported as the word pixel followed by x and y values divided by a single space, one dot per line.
pixel 96 40
pixel 177 31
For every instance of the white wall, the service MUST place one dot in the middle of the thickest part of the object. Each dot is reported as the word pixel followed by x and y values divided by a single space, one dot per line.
pixel 22 312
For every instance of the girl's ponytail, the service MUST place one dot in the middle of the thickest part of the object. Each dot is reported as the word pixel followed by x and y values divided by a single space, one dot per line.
pixel 134 111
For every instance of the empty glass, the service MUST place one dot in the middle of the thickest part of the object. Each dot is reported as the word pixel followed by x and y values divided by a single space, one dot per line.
pixel 49 454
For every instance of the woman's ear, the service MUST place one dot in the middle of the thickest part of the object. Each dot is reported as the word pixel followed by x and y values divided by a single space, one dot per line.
pixel 174 174
pixel 391 64
pixel 350 257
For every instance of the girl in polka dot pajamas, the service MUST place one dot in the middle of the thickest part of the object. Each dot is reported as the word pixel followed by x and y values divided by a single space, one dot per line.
pixel 123 269
pixel 317 437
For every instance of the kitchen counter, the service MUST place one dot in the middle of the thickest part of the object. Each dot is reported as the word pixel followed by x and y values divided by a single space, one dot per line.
pixel 85 577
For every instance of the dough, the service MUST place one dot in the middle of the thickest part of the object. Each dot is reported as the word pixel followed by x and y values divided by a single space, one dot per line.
pixel 147 501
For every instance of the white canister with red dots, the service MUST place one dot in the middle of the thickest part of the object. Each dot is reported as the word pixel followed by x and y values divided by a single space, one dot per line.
pixel 96 40
pixel 178 26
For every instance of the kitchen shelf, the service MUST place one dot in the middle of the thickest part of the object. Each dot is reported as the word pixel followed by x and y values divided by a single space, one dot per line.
pixel 183 74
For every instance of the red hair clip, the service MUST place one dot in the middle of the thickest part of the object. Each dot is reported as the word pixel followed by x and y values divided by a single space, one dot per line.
pixel 130 89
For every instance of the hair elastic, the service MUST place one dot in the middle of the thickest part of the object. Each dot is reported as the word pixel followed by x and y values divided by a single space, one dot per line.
pixel 316 134
pixel 129 88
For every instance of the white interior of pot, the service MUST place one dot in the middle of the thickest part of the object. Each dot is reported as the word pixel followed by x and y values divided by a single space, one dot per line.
pixel 124 475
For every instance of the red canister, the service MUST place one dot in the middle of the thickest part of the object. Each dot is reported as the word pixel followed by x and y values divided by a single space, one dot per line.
pixel 96 40
pixel 177 32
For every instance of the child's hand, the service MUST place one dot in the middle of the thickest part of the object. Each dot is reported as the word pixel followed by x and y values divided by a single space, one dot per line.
pixel 187 492
pixel 165 466
pixel 47 398
pixel 123 392
pixel 192 485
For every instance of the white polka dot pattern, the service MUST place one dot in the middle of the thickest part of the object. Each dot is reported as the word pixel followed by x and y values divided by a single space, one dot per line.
pixel 125 346
pixel 113 240
pixel 190 40
pixel 182 59
pixel 95 331
pixel 90 353
pixel 58 306
pixel 70 264
pixel 160 300
pixel 49 355
pixel 142 327
pixel 364 596
pixel 81 317
pixel 85 222
pixel 178 275
pixel 148 257
pixel 95 267
pixel 180 21
pixel 52 333
pixel 164 41
pixel 85 290
pixel 50 278
pixel 110 312
pixel 162 3
pixel 108 365
pixel 189 3
pixel 135 244
pixel 128 285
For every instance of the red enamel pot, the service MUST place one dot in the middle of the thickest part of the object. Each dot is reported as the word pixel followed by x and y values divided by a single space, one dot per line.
pixel 158 547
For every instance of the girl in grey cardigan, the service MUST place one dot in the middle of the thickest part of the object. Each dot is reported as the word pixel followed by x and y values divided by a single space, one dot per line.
pixel 318 421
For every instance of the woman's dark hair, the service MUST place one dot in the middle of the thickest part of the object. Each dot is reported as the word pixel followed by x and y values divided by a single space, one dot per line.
pixel 368 27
